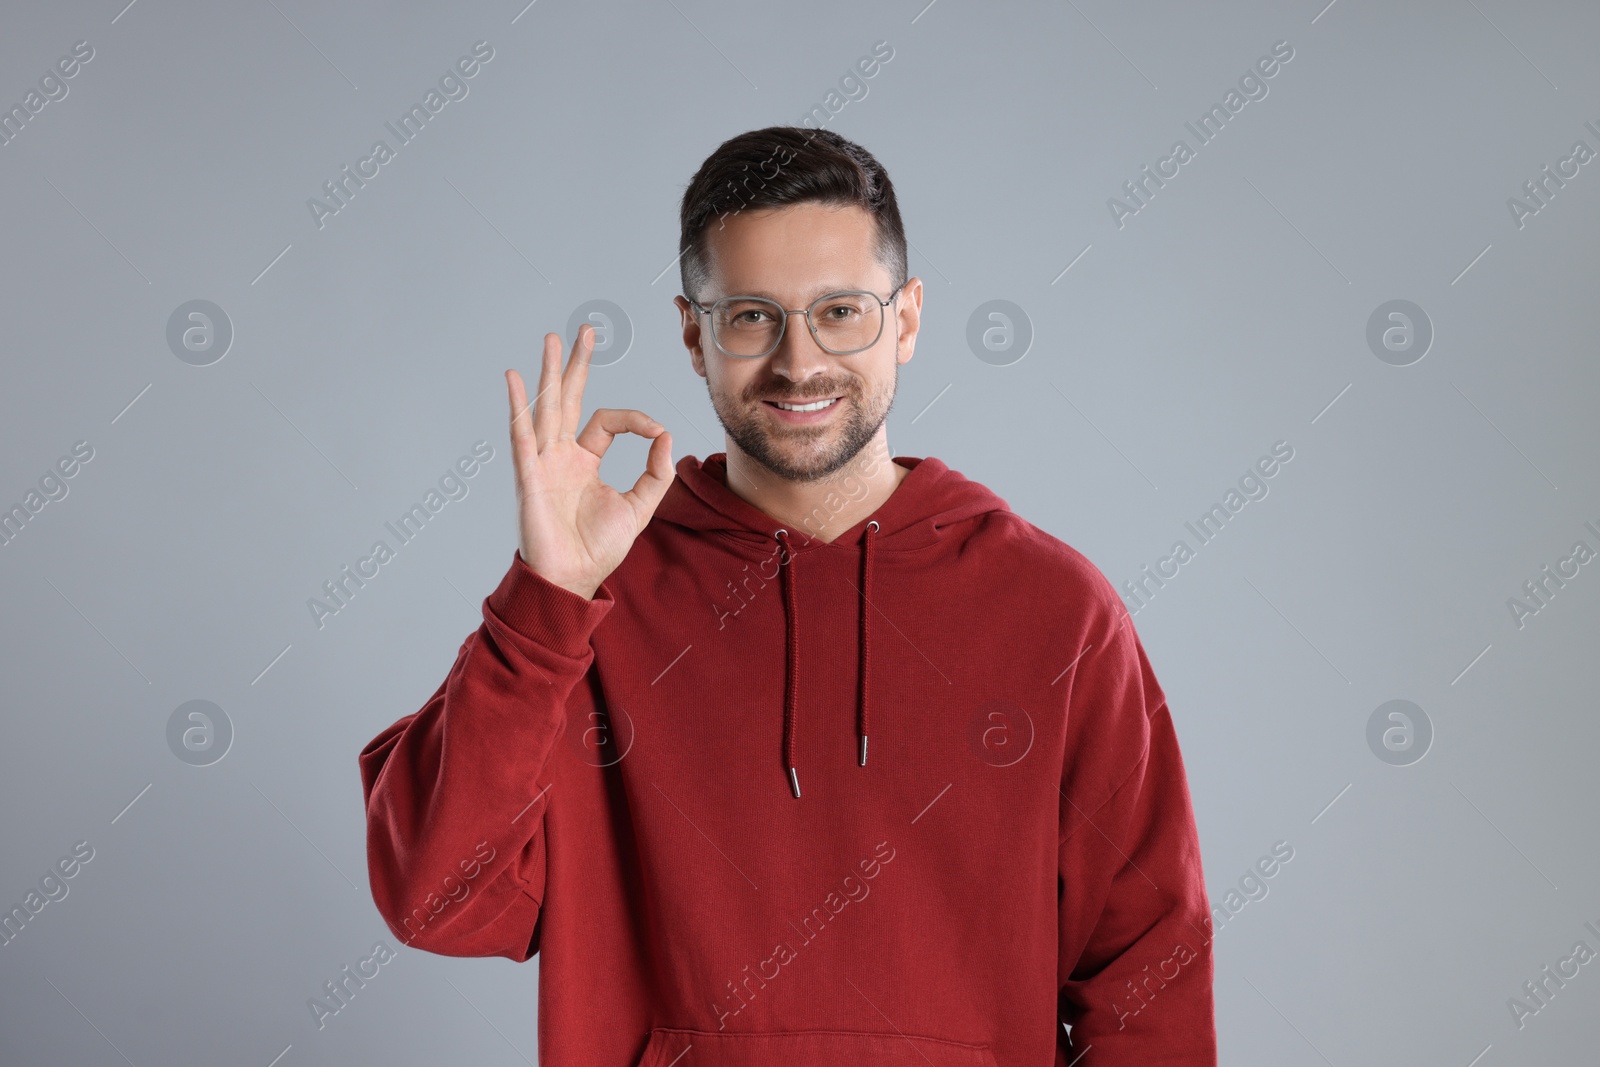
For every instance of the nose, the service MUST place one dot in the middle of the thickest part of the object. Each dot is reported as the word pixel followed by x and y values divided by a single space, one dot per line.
pixel 798 357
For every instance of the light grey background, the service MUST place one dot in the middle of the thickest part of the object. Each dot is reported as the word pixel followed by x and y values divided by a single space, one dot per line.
pixel 1228 314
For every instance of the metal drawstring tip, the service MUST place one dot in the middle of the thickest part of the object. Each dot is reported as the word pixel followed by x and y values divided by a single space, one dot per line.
pixel 863 750
pixel 794 783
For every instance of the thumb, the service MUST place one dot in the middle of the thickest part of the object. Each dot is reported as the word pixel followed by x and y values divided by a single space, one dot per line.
pixel 657 478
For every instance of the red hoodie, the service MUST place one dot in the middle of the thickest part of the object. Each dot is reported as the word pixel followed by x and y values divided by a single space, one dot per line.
pixel 668 792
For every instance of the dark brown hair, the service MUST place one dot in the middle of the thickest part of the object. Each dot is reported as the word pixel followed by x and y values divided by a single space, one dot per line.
pixel 782 165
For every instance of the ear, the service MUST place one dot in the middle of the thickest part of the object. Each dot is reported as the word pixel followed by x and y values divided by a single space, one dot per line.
pixel 908 313
pixel 691 334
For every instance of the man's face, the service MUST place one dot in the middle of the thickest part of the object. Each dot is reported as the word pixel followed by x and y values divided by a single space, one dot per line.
pixel 793 255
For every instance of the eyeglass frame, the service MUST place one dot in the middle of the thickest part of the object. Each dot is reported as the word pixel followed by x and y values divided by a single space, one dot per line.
pixel 783 327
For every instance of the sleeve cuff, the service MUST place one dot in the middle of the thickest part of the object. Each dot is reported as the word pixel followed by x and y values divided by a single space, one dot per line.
pixel 546 613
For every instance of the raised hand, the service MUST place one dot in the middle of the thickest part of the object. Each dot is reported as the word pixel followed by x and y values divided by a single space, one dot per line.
pixel 574 528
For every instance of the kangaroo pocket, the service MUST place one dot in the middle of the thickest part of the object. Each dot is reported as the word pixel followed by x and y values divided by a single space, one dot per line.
pixel 669 1047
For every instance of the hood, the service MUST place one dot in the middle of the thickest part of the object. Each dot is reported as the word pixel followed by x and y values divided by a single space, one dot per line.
pixel 929 504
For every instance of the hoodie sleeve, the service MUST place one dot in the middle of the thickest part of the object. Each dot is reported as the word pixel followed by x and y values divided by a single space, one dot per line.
pixel 1135 966
pixel 456 793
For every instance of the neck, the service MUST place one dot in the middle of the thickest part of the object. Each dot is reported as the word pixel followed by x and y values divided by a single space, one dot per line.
pixel 825 508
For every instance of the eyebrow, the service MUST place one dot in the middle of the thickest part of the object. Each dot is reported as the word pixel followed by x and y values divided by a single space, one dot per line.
pixel 819 291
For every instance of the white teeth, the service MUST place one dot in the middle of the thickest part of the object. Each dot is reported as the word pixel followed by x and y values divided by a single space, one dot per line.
pixel 816 406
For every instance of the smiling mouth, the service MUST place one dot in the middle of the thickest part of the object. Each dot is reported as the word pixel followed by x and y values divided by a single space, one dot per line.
pixel 806 406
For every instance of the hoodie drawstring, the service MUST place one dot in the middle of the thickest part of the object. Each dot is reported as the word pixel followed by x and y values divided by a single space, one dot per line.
pixel 786 565
pixel 792 673
pixel 866 631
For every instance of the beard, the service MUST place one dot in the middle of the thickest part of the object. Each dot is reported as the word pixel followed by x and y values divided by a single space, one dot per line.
pixel 805 453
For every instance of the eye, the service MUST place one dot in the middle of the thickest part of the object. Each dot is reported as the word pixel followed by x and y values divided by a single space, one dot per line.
pixel 746 313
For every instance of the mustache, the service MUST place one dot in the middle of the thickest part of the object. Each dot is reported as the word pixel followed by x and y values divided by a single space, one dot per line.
pixel 799 398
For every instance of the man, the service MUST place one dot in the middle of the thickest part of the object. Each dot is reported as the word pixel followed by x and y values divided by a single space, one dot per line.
pixel 651 763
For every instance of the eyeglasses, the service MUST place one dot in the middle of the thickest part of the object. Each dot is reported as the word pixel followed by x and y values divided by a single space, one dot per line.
pixel 843 323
